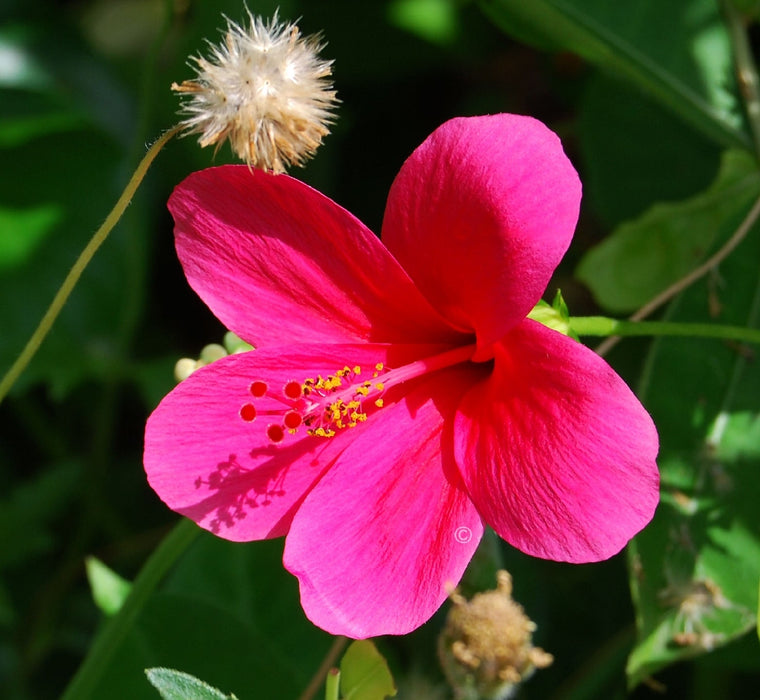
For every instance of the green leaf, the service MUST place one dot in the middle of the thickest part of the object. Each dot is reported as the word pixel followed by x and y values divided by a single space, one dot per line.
pixel 175 685
pixel 25 230
pixel 109 590
pixel 432 20
pixel 229 614
pixel 635 152
pixel 29 511
pixel 52 211
pixel 364 673
pixel 678 52
pixel 695 568
pixel 644 256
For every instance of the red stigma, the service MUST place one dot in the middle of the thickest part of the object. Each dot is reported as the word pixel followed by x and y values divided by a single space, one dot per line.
pixel 275 432
pixel 292 420
pixel 259 388
pixel 248 412
pixel 293 390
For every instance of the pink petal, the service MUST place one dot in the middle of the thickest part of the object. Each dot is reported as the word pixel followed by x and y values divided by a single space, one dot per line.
pixel 208 463
pixel 387 532
pixel 278 262
pixel 480 215
pixel 556 451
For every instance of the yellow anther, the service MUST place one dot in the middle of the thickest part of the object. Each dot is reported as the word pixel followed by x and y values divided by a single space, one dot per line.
pixel 379 366
pixel 379 403
pixel 379 386
pixel 362 390
pixel 357 369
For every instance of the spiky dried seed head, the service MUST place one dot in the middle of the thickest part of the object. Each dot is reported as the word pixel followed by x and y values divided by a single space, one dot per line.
pixel 266 90
pixel 486 646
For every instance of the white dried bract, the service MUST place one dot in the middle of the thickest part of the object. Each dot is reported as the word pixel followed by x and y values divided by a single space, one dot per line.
pixel 266 90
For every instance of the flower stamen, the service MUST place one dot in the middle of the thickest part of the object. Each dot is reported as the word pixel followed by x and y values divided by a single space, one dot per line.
pixel 328 404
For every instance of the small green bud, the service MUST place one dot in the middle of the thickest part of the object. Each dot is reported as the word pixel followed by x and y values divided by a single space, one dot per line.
pixel 211 353
pixel 235 344
pixel 184 368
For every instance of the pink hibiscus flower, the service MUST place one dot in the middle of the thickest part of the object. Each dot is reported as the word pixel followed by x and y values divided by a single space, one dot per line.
pixel 398 397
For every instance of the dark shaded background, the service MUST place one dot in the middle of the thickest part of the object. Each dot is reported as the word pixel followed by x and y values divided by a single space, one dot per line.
pixel 84 86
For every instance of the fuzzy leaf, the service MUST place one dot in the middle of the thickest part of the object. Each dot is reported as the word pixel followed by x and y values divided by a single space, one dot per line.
pixel 175 685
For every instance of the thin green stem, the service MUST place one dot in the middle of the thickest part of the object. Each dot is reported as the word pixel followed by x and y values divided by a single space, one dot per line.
pixel 603 326
pixel 746 71
pixel 698 272
pixel 332 684
pixel 749 84
pixel 81 263
pixel 110 638
pixel 323 672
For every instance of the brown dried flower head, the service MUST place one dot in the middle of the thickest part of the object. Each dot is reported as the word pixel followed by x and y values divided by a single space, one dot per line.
pixel 266 90
pixel 486 647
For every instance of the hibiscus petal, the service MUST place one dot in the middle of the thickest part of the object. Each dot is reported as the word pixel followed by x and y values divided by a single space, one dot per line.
pixel 556 451
pixel 480 215
pixel 387 532
pixel 278 262
pixel 207 462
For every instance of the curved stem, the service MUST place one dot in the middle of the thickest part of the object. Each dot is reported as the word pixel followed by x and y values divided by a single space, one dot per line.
pixel 749 84
pixel 81 263
pixel 324 668
pixel 713 261
pixel 746 71
pixel 110 638
pixel 603 326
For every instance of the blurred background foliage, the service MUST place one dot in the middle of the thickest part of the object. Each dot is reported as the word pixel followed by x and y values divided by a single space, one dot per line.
pixel 642 94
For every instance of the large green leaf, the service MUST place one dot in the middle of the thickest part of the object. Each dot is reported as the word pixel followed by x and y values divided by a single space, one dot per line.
pixel 634 152
pixel 644 256
pixel 694 570
pixel 48 214
pixel 678 52
pixel 29 510
pixel 229 614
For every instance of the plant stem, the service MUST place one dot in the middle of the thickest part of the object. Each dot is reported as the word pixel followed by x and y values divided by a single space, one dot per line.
pixel 677 287
pixel 749 84
pixel 332 684
pixel 603 326
pixel 81 263
pixel 746 71
pixel 324 668
pixel 107 643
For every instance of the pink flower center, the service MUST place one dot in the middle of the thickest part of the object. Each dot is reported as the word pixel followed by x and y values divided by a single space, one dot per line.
pixel 327 405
